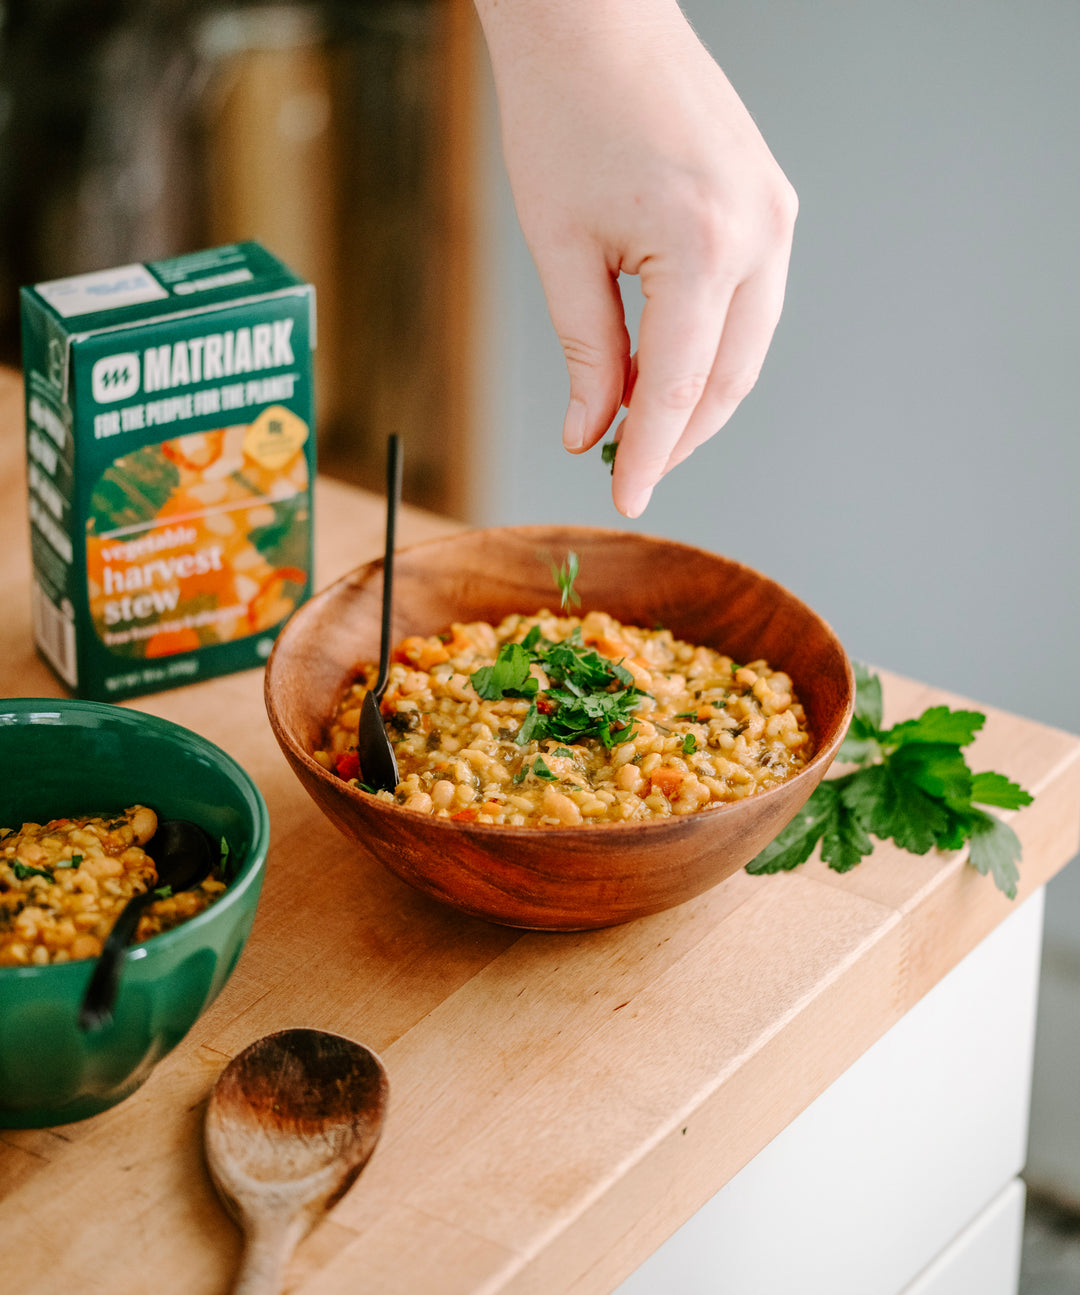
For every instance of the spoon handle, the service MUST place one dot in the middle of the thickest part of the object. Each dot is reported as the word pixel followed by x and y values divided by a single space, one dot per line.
pixel 100 997
pixel 393 496
pixel 268 1246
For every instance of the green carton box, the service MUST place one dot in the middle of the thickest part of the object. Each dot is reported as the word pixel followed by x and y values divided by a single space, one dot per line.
pixel 171 456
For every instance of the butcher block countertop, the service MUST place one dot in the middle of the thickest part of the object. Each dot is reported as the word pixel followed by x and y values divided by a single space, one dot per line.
pixel 559 1104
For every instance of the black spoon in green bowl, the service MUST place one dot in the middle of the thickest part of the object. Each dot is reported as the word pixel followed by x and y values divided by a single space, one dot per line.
pixel 183 854
pixel 378 765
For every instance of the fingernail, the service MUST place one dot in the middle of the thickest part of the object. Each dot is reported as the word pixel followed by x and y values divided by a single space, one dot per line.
pixel 573 431
pixel 637 504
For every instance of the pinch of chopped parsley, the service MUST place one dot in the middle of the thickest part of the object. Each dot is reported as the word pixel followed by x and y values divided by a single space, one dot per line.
pixel 590 697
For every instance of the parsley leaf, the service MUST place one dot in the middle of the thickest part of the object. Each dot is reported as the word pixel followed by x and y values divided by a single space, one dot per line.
pixel 607 453
pixel 913 786
pixel 230 861
pixel 868 703
pixel 938 724
pixel 844 840
pixel 995 849
pixel 23 871
pixel 508 677
pixel 532 726
pixel 996 789
pixel 860 743
pixel 937 768
pixel 795 844
pixel 539 769
pixel 689 744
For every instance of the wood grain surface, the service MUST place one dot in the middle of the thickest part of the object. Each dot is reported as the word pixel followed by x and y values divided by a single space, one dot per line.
pixel 559 1103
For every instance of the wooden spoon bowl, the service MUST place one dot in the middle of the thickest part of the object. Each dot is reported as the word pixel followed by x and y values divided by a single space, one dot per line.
pixel 291 1122
pixel 557 878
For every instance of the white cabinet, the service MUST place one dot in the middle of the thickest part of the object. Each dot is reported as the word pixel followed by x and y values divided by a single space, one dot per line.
pixel 900 1179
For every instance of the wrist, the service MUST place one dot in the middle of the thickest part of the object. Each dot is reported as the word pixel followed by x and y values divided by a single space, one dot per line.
pixel 523 29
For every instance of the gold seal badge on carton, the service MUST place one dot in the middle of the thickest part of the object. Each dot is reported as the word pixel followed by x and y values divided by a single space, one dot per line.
pixel 275 437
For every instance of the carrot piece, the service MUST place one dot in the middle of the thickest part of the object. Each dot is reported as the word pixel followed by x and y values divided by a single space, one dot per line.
pixel 666 780
pixel 420 653
pixel 611 648
pixel 459 641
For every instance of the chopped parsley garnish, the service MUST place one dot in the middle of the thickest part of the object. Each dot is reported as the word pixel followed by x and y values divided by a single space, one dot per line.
pixel 23 871
pixel 508 677
pixel 589 696
pixel 163 892
pixel 539 769
pixel 73 862
pixel 607 453
pixel 689 744
pixel 913 787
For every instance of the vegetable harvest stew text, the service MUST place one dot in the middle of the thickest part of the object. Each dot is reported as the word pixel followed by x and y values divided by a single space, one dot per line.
pixel 556 721
pixel 63 884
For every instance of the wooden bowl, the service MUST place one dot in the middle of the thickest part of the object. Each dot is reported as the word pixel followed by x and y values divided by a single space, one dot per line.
pixel 556 878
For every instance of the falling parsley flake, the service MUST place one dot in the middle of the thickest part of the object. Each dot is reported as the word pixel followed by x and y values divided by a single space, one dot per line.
pixel 913 786
pixel 564 578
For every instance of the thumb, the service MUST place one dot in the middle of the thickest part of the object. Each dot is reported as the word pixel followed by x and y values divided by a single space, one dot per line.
pixel 587 311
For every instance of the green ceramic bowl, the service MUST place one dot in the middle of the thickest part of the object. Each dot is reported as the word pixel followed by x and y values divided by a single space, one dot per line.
pixel 65 758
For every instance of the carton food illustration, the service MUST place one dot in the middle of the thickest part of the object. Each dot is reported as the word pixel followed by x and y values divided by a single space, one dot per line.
pixel 171 455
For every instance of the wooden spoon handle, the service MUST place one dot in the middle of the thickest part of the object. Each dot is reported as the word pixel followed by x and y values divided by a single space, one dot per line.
pixel 268 1246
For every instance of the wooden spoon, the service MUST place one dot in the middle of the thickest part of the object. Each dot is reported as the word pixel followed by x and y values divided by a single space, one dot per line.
pixel 378 765
pixel 291 1122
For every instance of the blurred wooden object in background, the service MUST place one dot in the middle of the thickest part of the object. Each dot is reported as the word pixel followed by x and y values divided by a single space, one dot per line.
pixel 340 133
pixel 344 144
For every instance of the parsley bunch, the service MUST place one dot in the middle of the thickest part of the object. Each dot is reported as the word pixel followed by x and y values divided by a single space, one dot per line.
pixel 913 786
pixel 590 697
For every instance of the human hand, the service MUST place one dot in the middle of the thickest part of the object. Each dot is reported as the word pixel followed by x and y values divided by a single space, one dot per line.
pixel 629 151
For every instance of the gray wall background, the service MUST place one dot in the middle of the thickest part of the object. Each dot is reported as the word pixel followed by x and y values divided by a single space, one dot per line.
pixel 916 418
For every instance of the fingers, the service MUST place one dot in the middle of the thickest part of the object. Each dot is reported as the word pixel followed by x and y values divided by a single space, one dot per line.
pixel 679 336
pixel 748 330
pixel 587 311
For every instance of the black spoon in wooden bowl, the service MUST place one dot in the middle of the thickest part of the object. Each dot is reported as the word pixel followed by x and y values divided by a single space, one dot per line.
pixel 378 765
